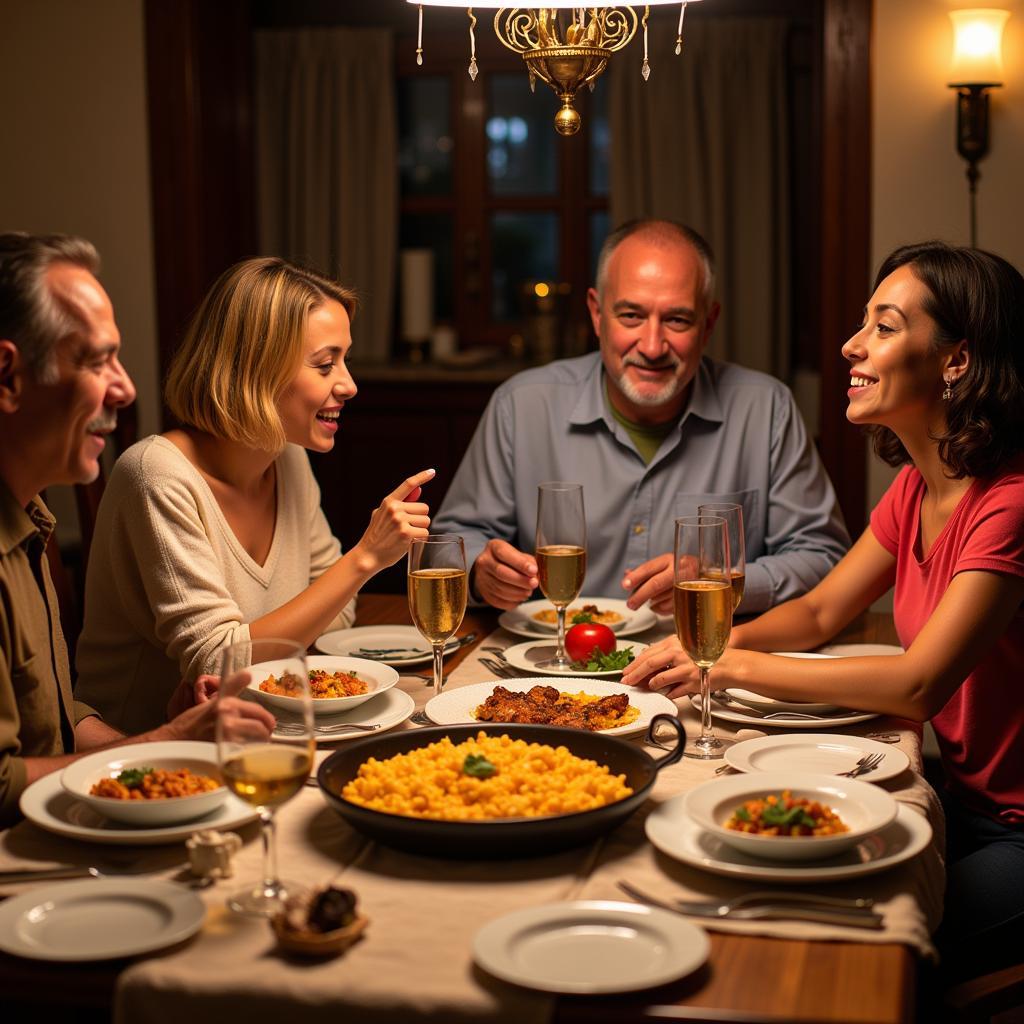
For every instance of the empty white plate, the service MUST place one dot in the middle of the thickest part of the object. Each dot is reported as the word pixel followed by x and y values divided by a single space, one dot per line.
pixel 392 645
pixel 98 919
pixel 822 753
pixel 590 947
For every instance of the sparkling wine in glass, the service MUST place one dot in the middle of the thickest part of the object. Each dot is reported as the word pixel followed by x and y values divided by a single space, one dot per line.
pixel 437 588
pixel 265 774
pixel 733 516
pixel 561 554
pixel 703 609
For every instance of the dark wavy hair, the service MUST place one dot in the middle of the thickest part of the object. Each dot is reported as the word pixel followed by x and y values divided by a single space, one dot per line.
pixel 977 296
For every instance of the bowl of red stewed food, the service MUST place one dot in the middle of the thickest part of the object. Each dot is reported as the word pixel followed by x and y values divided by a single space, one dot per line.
pixel 149 784
pixel 337 683
pixel 790 815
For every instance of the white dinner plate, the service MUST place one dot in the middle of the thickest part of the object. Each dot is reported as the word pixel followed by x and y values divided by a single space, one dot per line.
pixel 823 753
pixel 762 703
pixel 728 714
pixel 387 710
pixel 520 620
pixel 525 657
pixel 377 677
pixel 47 804
pixel 590 947
pixel 457 707
pixel 98 919
pixel 406 643
pixel 671 829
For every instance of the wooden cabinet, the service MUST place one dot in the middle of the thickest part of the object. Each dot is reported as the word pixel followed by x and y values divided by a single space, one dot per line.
pixel 404 419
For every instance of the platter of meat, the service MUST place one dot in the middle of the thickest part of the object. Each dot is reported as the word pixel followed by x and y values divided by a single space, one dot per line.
pixel 593 705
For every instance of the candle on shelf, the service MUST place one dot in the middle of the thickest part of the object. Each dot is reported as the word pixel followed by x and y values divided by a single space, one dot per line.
pixel 417 274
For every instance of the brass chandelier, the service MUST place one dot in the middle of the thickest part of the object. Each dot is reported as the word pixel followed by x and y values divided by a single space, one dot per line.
pixel 563 44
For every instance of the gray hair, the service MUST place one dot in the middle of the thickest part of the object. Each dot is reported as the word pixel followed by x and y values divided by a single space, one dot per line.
pixel 29 314
pixel 659 231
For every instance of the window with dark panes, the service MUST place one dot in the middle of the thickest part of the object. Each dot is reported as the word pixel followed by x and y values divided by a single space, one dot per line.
pixel 511 210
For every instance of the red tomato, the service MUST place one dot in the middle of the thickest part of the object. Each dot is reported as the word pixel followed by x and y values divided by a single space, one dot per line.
pixel 581 640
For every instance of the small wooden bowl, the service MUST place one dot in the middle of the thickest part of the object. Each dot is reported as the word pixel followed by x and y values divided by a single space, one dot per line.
pixel 310 943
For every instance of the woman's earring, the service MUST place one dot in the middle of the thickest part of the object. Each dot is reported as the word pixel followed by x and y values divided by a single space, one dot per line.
pixel 947 394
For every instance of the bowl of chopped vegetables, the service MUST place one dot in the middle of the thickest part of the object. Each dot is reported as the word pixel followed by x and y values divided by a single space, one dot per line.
pixel 790 815
pixel 149 784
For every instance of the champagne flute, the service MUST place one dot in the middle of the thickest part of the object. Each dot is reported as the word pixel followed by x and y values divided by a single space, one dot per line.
pixel 561 553
pixel 733 516
pixel 437 592
pixel 703 609
pixel 260 772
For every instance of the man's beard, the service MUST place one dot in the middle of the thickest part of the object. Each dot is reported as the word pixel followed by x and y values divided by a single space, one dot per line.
pixel 643 396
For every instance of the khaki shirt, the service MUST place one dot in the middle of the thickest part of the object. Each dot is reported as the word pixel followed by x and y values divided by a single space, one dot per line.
pixel 37 712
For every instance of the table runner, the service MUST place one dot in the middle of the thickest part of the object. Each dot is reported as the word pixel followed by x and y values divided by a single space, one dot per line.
pixel 415 962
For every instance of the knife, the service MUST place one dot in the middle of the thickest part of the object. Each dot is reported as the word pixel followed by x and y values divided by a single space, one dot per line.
pixel 382 653
pixel 852 917
pixel 40 874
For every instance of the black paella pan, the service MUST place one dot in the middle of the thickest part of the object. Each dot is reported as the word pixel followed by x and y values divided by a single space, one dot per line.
pixel 507 837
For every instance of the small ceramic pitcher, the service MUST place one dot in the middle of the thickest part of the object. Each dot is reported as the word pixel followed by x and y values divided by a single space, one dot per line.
pixel 210 853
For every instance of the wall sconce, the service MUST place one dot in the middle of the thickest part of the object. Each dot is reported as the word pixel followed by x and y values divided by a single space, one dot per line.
pixel 977 67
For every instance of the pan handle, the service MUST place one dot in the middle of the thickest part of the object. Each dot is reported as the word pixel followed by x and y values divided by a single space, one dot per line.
pixel 676 753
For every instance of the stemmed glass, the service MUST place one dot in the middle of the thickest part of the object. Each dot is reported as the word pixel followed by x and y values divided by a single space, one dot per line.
pixel 260 772
pixel 561 553
pixel 733 516
pixel 437 592
pixel 703 609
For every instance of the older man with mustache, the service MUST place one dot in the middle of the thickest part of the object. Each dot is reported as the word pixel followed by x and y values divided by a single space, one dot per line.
pixel 652 428
pixel 61 384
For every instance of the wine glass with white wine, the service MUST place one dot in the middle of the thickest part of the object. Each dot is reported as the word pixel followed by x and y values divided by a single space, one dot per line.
pixel 703 609
pixel 260 772
pixel 561 554
pixel 437 592
pixel 733 516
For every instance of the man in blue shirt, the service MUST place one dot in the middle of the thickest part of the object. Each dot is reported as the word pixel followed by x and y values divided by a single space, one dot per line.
pixel 652 428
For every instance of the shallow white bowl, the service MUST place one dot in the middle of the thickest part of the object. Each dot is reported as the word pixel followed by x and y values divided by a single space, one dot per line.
pixel 864 808
pixel 377 677
pixel 199 758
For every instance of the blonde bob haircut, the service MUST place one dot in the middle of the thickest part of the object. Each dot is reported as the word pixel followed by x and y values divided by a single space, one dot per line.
pixel 244 347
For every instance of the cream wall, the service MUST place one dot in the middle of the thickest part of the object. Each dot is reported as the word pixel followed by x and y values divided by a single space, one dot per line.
pixel 918 186
pixel 75 155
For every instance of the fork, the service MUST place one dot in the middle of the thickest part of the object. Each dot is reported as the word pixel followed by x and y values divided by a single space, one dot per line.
pixel 294 729
pixel 498 652
pixel 502 671
pixel 855 913
pixel 868 763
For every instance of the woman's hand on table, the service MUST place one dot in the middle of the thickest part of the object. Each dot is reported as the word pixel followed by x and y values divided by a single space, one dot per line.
pixel 399 519
pixel 664 667
pixel 200 722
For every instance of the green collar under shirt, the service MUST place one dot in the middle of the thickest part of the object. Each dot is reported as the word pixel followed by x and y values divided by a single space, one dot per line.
pixel 646 437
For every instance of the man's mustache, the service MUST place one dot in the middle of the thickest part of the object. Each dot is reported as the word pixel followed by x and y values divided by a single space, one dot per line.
pixel 672 363
pixel 102 424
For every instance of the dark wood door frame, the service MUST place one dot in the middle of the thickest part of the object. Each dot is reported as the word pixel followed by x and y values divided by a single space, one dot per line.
pixel 198 57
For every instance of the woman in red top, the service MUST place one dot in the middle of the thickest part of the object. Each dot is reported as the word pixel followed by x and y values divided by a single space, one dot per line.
pixel 937 372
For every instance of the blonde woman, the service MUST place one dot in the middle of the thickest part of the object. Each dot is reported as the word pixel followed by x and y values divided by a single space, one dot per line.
pixel 212 533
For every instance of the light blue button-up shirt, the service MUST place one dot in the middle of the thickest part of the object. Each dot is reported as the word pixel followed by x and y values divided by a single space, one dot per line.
pixel 740 439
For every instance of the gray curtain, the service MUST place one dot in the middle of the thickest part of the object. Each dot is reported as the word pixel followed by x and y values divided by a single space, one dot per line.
pixel 705 141
pixel 327 153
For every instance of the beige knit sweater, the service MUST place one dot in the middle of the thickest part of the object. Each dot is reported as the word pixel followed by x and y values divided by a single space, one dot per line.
pixel 169 585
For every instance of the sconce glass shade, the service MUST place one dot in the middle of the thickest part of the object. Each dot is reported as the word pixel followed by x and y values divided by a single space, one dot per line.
pixel 977 47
